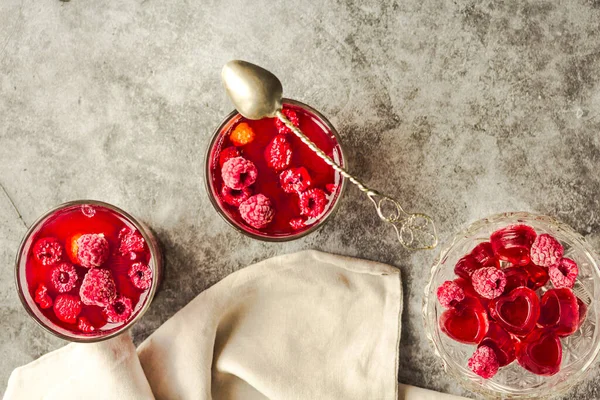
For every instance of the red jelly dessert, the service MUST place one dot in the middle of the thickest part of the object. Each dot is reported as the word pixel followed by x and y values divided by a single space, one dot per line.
pixel 267 182
pixel 559 311
pixel 110 281
pixel 517 311
pixel 465 323
pixel 500 307
pixel 540 352
pixel 513 243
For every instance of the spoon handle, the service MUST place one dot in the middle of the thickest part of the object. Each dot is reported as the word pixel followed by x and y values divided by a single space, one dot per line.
pixel 414 231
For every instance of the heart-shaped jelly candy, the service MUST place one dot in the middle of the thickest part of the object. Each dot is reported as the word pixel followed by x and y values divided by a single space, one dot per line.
pixel 466 323
pixel 513 243
pixel 517 312
pixel 582 312
pixel 537 276
pixel 559 311
pixel 515 277
pixel 501 342
pixel 540 352
pixel 481 256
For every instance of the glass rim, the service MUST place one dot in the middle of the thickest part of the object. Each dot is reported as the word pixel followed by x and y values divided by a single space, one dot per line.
pixel 432 331
pixel 207 181
pixel 155 261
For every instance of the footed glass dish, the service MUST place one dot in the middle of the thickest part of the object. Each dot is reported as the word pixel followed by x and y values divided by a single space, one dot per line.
pixel 579 350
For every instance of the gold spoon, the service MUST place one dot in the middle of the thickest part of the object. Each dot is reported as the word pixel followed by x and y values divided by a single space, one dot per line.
pixel 256 93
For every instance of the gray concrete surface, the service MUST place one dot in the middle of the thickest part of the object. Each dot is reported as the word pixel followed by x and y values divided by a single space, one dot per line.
pixel 461 108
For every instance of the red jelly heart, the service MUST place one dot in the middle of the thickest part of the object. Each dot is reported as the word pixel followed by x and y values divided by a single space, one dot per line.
pixel 559 311
pixel 515 277
pixel 481 256
pixel 501 342
pixel 513 243
pixel 540 352
pixel 582 312
pixel 537 276
pixel 517 311
pixel 467 323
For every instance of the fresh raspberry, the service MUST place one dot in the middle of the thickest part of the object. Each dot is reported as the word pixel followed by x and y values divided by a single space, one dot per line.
pixel 564 275
pixel 257 211
pixel 278 153
pixel 227 154
pixel 92 250
pixel 235 197
pixel 85 325
pixel 484 362
pixel 489 282
pixel 130 241
pixel 64 277
pixel 67 307
pixel 546 251
pixel 140 275
pixel 239 173
pixel 295 180
pixel 450 294
pixel 313 202
pixel 98 288
pixel 297 223
pixel 242 134
pixel 331 188
pixel 292 116
pixel 42 297
pixel 48 251
pixel 119 311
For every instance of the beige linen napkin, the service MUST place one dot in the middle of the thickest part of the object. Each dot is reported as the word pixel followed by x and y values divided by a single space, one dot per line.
pixel 304 326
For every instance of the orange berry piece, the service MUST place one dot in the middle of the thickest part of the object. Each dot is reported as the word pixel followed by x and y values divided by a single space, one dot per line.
pixel 242 134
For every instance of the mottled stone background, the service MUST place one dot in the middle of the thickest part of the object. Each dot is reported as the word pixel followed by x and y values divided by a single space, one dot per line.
pixel 460 108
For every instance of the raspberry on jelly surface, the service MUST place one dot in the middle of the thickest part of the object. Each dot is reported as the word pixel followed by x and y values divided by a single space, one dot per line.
pixel 98 288
pixel 92 250
pixel 67 307
pixel 140 275
pixel 489 282
pixel 227 154
pixel 235 197
pixel 292 116
pixel 242 134
pixel 546 251
pixel 450 294
pixel 564 274
pixel 278 153
pixel 64 277
pixel 295 180
pixel 312 202
pixel 130 241
pixel 42 297
pixel 48 251
pixel 119 311
pixel 484 362
pixel 239 173
pixel 257 211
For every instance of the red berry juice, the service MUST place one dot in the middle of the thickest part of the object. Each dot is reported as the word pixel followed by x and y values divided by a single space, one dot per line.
pixel 126 246
pixel 285 205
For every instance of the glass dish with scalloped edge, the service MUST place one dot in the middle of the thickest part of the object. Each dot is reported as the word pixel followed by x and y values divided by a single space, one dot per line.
pixel 580 350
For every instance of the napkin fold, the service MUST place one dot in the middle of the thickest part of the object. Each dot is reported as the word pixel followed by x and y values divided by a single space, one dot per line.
pixel 308 325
